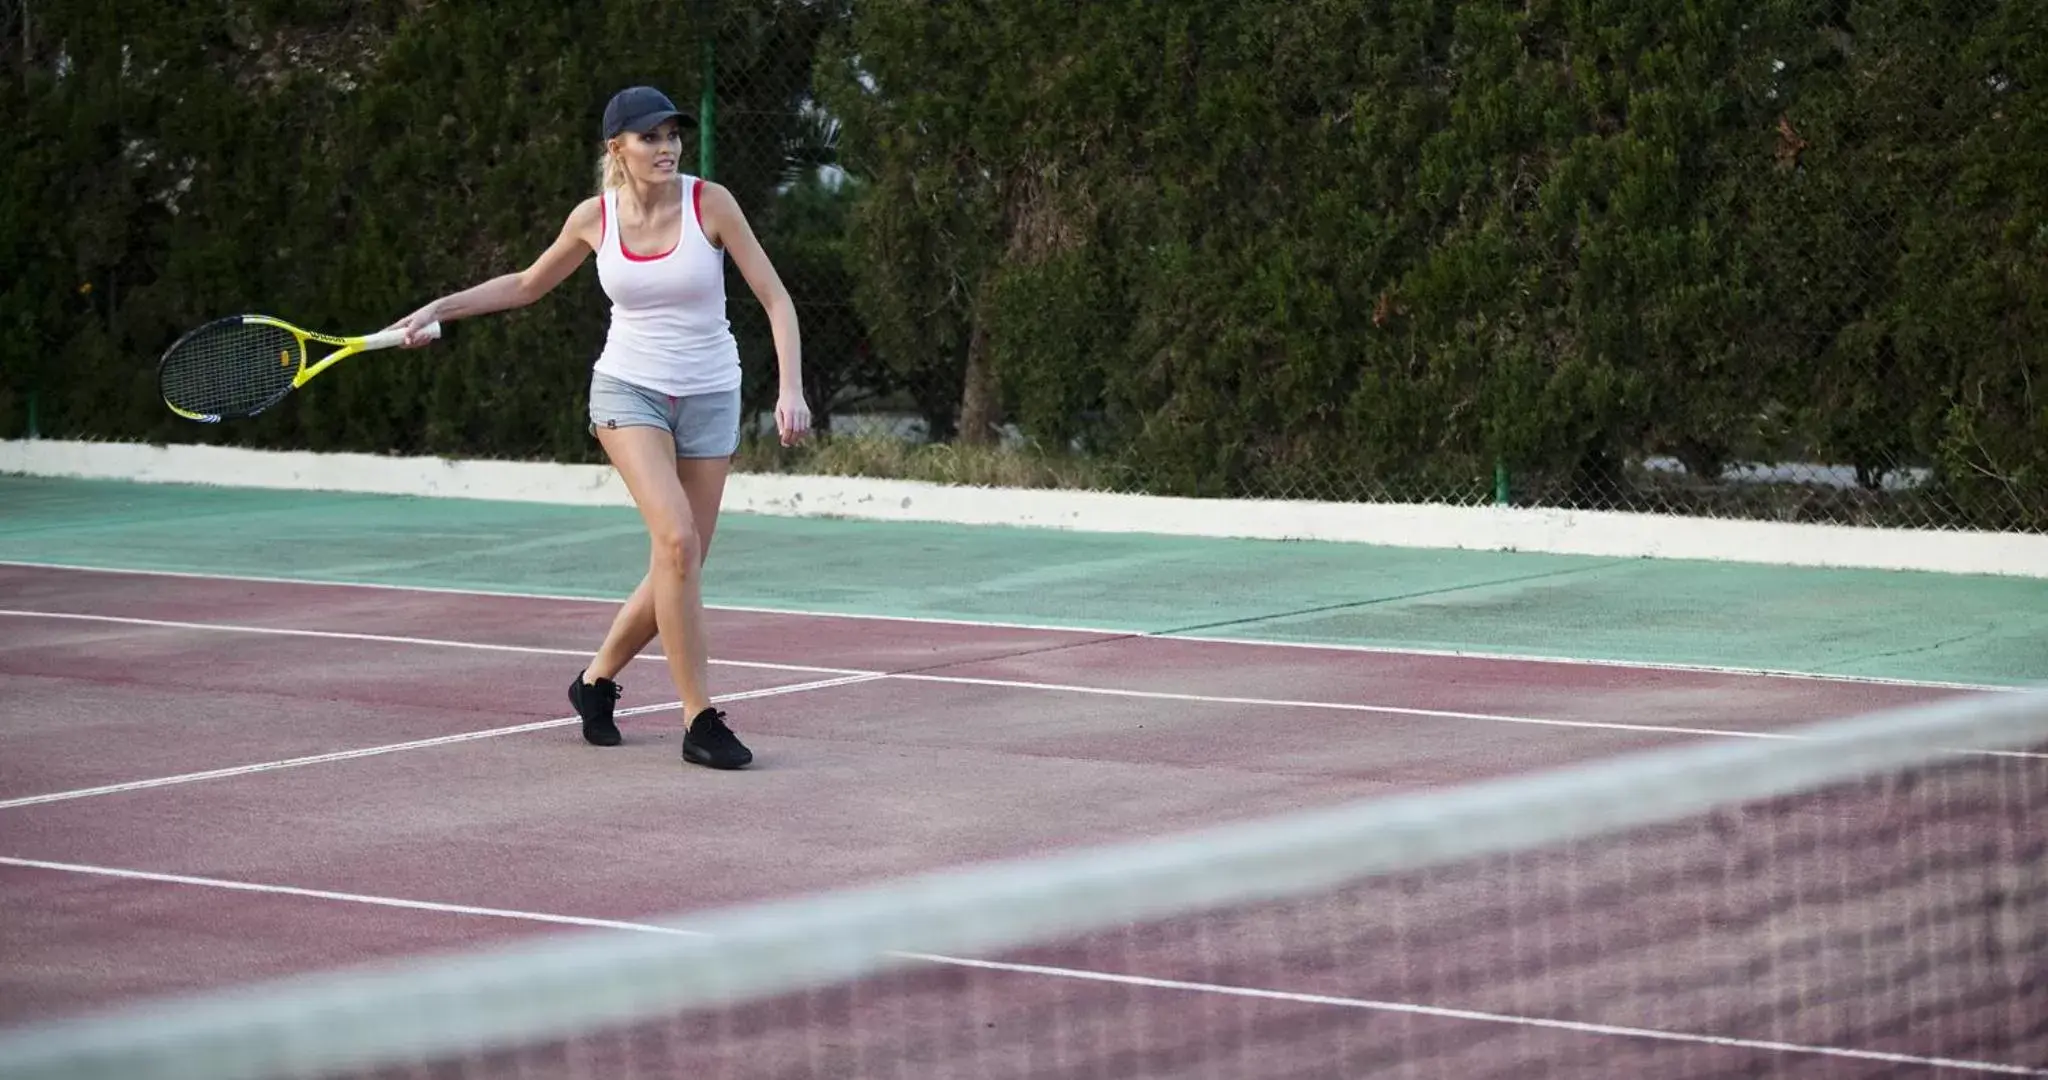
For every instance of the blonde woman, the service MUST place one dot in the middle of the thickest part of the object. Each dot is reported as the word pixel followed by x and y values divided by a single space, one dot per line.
pixel 665 390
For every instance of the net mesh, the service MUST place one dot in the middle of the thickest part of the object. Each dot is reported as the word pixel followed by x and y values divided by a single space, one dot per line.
pixel 1868 898
pixel 230 368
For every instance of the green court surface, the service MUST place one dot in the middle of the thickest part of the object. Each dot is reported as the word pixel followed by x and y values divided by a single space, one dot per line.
pixel 1917 626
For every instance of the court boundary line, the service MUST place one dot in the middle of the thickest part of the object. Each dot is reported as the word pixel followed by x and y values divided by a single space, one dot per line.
pixel 392 639
pixel 382 749
pixel 1057 972
pixel 436 907
pixel 844 677
pixel 851 676
pixel 1256 643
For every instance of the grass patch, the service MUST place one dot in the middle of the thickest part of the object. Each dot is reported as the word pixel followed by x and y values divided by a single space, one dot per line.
pixel 889 457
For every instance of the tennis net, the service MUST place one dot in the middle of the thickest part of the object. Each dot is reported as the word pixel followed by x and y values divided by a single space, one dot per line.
pixel 1866 897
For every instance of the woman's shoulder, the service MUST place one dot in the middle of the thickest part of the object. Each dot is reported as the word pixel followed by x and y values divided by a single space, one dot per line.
pixel 713 198
pixel 585 221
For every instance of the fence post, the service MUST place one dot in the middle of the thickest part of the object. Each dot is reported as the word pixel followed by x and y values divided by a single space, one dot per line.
pixel 706 106
pixel 1500 482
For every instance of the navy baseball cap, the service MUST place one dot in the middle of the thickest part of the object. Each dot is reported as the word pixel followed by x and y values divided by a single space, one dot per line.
pixel 639 108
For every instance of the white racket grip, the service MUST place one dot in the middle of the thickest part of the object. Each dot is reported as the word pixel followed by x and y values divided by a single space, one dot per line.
pixel 388 338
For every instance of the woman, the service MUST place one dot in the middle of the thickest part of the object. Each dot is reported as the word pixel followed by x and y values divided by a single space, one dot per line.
pixel 664 393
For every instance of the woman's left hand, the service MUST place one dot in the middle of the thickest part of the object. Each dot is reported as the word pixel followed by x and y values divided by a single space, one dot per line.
pixel 792 417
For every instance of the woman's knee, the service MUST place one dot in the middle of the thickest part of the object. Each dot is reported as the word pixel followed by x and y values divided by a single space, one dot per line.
pixel 676 546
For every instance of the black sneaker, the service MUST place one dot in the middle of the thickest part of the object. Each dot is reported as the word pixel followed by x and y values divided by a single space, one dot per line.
pixel 593 702
pixel 709 742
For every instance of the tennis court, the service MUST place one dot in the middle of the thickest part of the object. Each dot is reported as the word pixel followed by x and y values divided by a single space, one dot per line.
pixel 254 735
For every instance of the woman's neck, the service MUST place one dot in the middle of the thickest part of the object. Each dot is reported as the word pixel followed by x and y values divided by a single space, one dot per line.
pixel 645 197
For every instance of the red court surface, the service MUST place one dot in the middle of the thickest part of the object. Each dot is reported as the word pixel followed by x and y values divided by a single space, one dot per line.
pixel 211 781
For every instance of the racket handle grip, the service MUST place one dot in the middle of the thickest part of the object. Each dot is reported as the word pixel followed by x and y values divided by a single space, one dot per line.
pixel 389 338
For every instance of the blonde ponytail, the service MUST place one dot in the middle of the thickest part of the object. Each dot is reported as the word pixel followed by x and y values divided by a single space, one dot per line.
pixel 611 172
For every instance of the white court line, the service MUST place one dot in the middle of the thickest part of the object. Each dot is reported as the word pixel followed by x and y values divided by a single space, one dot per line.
pixel 387 639
pixel 844 677
pixel 342 897
pixel 855 675
pixel 1077 974
pixel 1483 1017
pixel 1396 710
pixel 1384 650
pixel 393 748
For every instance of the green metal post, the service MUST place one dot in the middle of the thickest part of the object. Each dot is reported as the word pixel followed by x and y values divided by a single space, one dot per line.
pixel 34 430
pixel 1500 482
pixel 706 105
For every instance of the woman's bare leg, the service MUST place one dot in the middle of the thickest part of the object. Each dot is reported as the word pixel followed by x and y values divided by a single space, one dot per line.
pixel 645 459
pixel 703 482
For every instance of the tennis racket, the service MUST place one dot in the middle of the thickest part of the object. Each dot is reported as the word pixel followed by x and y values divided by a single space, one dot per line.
pixel 238 366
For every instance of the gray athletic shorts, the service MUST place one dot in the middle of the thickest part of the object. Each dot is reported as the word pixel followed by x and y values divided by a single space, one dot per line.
pixel 703 425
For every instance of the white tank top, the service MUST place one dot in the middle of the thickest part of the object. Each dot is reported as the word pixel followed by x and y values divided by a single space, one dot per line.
pixel 669 331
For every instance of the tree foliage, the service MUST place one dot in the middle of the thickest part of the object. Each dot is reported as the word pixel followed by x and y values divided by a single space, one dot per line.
pixel 1272 247
pixel 338 164
pixel 1278 247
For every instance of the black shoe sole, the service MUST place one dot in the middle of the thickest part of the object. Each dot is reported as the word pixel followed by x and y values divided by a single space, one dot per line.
pixel 698 757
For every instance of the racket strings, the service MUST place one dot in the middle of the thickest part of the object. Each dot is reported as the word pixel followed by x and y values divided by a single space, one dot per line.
pixel 231 369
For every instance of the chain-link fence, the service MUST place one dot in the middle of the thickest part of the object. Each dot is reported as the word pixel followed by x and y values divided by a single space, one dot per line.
pixel 1779 262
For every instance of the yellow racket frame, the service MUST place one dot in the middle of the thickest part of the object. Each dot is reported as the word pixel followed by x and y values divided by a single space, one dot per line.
pixel 345 346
